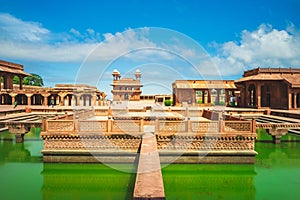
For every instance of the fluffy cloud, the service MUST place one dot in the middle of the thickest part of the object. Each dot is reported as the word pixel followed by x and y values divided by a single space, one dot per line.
pixel 263 47
pixel 15 29
pixel 31 41
pixel 266 46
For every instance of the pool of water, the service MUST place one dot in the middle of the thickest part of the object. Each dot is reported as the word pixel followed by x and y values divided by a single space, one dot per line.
pixel 275 175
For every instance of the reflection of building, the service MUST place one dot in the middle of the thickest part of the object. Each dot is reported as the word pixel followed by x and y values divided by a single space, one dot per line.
pixel 270 87
pixel 61 94
pixel 207 92
pixel 126 89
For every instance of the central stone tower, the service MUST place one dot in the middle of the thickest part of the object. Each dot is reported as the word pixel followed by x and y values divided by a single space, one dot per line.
pixel 126 89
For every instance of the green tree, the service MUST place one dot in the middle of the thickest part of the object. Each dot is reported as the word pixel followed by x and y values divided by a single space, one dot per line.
pixel 33 79
pixel 168 102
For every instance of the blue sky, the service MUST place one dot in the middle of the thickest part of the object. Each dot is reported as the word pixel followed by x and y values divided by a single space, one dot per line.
pixel 83 41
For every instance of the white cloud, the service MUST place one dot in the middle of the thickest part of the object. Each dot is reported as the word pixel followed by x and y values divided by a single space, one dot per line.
pixel 16 29
pixel 263 47
pixel 75 32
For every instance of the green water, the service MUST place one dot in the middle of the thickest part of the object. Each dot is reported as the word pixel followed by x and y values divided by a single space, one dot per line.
pixel 23 175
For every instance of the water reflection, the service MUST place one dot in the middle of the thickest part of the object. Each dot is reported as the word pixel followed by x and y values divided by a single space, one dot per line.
pixel 209 181
pixel 86 181
pixel 16 152
pixel 273 176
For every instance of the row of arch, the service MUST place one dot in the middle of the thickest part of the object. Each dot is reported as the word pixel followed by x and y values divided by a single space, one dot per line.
pixel 51 100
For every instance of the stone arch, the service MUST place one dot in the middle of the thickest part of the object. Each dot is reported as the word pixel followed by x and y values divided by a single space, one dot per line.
pixel 37 99
pixel 5 99
pixel 68 99
pixel 19 78
pixel 86 100
pixel 21 99
pixel 53 99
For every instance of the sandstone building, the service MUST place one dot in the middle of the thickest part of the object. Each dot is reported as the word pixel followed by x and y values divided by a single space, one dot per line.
pixel 61 94
pixel 270 87
pixel 126 89
pixel 203 92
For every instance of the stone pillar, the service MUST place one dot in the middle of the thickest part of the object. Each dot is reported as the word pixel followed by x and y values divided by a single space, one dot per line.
pixel 193 97
pixel 218 97
pixel 109 124
pixel 66 101
pixel 45 99
pixel 78 101
pixel 13 99
pixel 62 99
pixel 142 125
pixel 8 81
pixel 56 100
pixel 295 100
pixel 29 99
pixel 290 106
pixel 109 111
pixel 258 94
pixel 73 100
pixel 203 96
pixel 21 82
pixel 94 100
pixel 226 97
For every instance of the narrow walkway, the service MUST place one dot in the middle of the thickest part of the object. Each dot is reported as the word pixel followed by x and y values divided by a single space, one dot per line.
pixel 149 183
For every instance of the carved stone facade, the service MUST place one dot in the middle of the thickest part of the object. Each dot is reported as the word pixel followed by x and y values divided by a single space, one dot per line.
pixel 61 94
pixel 270 87
pixel 126 89
pixel 203 92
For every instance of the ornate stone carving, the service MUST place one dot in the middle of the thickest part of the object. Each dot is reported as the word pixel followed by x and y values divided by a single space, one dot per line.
pixel 237 126
pixel 205 143
pixel 60 125
pixel 93 126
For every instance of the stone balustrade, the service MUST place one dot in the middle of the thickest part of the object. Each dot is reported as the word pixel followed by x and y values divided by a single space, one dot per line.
pixel 163 127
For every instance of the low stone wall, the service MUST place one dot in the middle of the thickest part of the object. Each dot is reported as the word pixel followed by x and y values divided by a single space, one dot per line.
pixel 90 148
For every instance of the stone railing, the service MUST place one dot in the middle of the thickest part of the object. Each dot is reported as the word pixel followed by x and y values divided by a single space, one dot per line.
pixel 162 127
pixel 91 142
pixel 60 126
pixel 204 127
pixel 278 126
pixel 92 126
pixel 206 143
pixel 238 126
pixel 126 126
